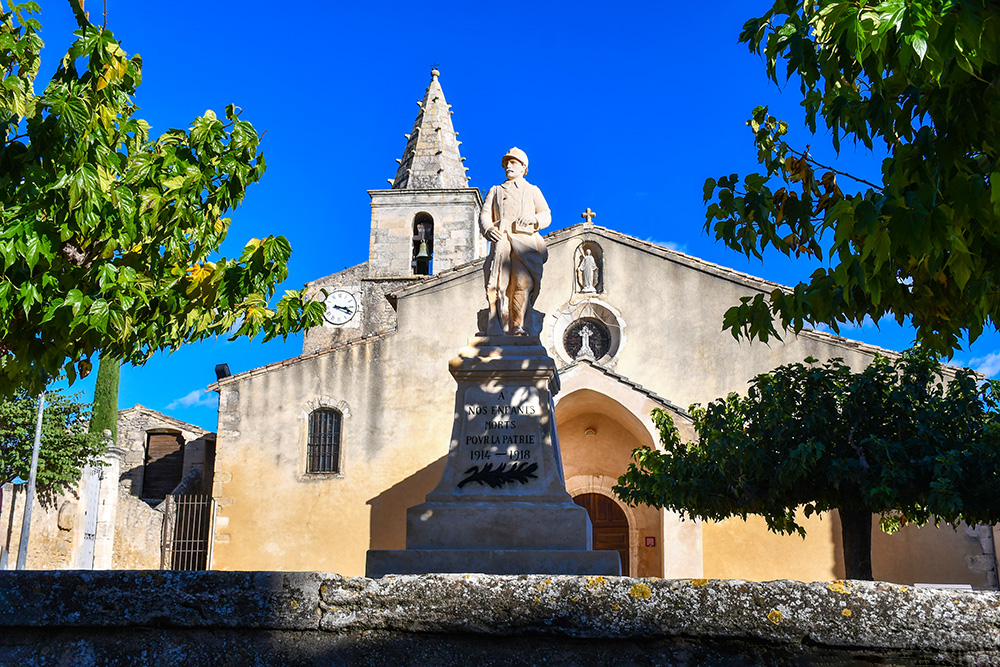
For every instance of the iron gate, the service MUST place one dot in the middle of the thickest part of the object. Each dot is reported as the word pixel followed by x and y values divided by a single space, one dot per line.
pixel 187 524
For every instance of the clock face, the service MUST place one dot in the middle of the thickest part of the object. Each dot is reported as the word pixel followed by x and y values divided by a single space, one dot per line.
pixel 341 306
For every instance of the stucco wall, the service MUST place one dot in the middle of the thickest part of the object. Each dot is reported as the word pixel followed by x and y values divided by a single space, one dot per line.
pixel 397 423
pixel 747 550
pixel 673 308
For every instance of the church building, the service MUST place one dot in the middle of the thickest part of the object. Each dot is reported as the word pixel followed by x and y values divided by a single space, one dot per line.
pixel 319 456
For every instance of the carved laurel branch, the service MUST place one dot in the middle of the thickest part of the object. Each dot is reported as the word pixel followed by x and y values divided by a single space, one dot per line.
pixel 517 472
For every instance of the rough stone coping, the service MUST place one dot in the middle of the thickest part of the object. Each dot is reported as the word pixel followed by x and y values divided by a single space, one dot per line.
pixel 847 614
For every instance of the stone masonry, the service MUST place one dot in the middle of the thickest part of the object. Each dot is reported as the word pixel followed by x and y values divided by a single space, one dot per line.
pixel 312 618
pixel 431 177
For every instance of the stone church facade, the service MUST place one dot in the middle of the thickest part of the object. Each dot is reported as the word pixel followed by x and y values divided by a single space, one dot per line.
pixel 319 456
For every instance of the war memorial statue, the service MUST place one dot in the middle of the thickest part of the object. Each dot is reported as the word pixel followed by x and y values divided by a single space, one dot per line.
pixel 501 506
pixel 512 214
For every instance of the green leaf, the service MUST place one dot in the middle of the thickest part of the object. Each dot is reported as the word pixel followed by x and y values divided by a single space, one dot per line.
pixel 31 248
pixel 99 315
pixel 919 45
pixel 708 189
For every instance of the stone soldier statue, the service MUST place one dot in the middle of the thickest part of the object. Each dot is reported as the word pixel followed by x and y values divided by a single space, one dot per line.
pixel 512 215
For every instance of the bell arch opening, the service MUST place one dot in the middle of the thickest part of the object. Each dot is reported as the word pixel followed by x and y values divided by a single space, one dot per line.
pixel 422 262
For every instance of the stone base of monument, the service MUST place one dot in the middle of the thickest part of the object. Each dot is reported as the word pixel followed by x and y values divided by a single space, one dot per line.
pixel 501 506
pixel 491 561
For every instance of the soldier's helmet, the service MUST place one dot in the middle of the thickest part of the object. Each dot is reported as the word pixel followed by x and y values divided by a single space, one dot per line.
pixel 518 155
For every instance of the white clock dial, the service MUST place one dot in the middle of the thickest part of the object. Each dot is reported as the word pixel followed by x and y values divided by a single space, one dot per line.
pixel 341 306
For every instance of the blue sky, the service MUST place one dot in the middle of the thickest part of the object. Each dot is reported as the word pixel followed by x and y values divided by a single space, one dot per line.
pixel 625 109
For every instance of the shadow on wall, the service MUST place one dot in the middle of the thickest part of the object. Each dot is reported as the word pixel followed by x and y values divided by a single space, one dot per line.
pixel 388 513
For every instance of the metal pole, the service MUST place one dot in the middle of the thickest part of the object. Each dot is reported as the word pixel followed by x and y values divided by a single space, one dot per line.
pixel 22 547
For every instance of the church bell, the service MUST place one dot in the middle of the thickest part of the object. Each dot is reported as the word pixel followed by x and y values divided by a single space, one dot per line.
pixel 423 239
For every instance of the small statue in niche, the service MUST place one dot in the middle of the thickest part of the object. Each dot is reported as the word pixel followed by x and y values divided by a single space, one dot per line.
pixel 586 273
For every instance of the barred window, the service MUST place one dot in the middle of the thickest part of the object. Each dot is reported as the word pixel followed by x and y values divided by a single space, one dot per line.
pixel 323 451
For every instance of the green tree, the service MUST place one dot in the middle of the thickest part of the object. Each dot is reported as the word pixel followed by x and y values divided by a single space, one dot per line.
pixel 68 446
pixel 891 440
pixel 919 79
pixel 105 412
pixel 108 238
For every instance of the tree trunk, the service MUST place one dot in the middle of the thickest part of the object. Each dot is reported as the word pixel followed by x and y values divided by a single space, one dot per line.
pixel 105 413
pixel 856 529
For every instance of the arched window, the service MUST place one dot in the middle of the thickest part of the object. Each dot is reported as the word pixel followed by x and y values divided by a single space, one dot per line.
pixel 423 244
pixel 323 449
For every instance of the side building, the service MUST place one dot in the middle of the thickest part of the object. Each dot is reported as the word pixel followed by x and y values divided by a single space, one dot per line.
pixel 143 506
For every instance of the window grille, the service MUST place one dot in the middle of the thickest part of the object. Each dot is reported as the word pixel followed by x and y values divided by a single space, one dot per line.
pixel 324 441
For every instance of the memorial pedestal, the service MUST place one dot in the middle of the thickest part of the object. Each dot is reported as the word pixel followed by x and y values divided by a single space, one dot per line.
pixel 501 506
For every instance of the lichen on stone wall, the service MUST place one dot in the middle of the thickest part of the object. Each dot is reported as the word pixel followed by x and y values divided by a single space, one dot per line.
pixel 637 620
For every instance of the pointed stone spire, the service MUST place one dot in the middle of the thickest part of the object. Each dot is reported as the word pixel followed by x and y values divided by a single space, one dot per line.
pixel 431 160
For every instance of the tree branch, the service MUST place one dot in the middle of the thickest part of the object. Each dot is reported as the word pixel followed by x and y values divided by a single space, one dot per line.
pixel 805 156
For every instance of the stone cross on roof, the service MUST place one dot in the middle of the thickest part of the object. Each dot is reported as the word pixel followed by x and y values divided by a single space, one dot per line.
pixel 588 215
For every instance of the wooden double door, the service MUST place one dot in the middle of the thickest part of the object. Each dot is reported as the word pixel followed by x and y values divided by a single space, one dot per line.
pixel 610 525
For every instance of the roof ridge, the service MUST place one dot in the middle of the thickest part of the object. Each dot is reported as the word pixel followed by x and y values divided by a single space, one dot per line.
pixel 194 428
pixel 260 370
pixel 618 377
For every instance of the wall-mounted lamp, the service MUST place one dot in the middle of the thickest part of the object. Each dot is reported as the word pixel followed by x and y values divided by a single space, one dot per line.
pixel 590 432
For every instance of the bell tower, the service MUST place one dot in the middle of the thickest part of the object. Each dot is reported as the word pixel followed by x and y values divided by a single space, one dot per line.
pixel 428 221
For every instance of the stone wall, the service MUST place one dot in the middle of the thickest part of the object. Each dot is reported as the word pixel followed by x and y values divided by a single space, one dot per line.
pixel 134 426
pixel 138 534
pixel 128 530
pixel 375 313
pixel 308 618
pixel 52 538
pixel 456 229
pixel 133 534
pixel 59 522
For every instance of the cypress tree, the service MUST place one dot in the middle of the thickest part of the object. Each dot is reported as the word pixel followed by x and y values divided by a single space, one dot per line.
pixel 105 414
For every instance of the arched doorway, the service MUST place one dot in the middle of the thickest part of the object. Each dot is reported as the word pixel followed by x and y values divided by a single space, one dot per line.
pixel 610 525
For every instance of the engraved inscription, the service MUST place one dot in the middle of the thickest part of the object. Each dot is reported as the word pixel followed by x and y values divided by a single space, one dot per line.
pixel 502 436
